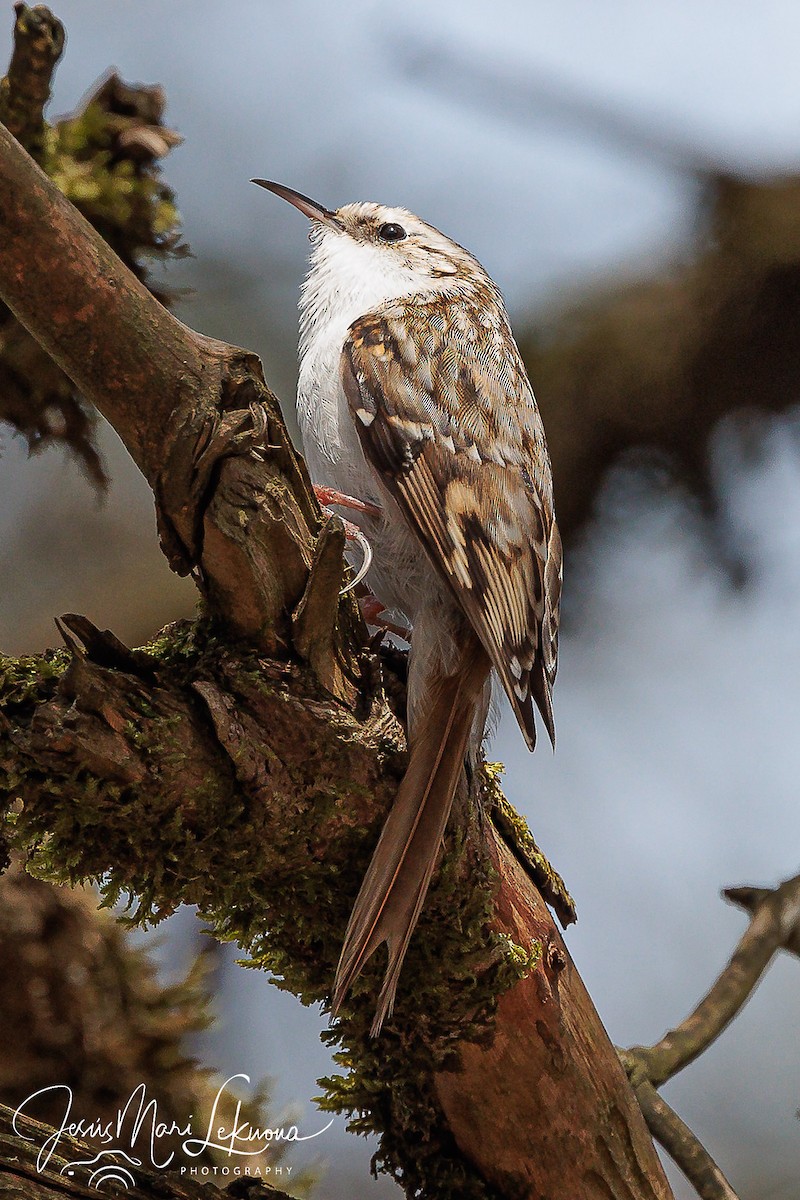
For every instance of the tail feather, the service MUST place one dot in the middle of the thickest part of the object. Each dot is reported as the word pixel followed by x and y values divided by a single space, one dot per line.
pixel 394 888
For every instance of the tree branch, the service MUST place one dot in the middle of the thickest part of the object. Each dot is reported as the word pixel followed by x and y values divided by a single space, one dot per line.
pixel 189 409
pixel 105 157
pixel 145 345
pixel 774 926
pixel 25 90
pixel 681 1144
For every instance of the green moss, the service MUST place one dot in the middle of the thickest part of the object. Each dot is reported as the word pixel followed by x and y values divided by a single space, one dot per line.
pixel 514 828
pixel 130 204
pixel 455 972
pixel 182 643
pixel 25 681
pixel 253 876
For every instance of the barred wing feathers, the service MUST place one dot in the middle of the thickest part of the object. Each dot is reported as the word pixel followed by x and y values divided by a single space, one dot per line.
pixel 447 418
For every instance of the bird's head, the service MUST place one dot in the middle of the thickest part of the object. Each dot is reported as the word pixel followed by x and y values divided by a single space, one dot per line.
pixel 380 252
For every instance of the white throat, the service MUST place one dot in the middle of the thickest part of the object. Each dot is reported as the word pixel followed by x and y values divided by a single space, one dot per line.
pixel 347 279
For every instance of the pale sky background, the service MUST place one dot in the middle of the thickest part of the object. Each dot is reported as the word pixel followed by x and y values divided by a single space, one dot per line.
pixel 678 701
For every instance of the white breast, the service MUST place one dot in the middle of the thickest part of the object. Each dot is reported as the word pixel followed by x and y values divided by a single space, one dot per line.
pixel 347 280
pixel 345 283
pixel 330 440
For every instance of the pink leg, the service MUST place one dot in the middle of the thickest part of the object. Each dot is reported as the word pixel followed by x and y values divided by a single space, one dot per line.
pixel 327 496
pixel 372 609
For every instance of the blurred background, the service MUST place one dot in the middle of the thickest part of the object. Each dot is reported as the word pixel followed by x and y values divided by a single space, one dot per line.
pixel 626 173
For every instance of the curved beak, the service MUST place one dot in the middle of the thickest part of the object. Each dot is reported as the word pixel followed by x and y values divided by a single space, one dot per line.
pixel 307 206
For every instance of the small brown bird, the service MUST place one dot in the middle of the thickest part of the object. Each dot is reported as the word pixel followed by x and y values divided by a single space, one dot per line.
pixel 413 397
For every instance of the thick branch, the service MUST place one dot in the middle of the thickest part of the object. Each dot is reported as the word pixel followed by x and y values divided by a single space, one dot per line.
pixel 67 286
pixel 189 410
pixel 105 158
pixel 549 1045
pixel 261 799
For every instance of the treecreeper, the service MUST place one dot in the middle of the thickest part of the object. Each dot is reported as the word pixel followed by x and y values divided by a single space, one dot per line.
pixel 417 415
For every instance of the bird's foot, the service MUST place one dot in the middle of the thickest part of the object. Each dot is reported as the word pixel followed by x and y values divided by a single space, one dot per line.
pixel 353 534
pixel 327 495
pixel 372 611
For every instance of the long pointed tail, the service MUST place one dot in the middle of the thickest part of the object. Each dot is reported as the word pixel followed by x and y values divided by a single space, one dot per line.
pixel 394 888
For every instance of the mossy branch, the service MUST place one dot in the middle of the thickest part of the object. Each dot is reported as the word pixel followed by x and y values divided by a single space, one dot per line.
pixel 199 771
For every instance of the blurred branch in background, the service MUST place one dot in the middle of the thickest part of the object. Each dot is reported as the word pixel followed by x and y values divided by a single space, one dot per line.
pixel 105 158
pixel 69 1172
pixel 774 925
pixel 246 762
pixel 25 90
pixel 648 369
pixel 655 366
pixel 497 89
pixel 84 1009
pixel 87 1009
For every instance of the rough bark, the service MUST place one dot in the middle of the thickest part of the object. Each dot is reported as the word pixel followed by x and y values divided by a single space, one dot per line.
pixel 541 1071
pixel 188 409
pixel 245 765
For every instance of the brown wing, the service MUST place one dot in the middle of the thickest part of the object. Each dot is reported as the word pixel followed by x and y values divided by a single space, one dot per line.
pixel 447 418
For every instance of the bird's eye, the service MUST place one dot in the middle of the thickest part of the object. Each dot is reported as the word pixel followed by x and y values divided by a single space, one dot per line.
pixel 392 232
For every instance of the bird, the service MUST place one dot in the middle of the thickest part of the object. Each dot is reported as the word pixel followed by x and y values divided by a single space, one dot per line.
pixel 414 401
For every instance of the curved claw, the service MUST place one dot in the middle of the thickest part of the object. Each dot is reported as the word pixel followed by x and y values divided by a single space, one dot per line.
pixel 358 536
